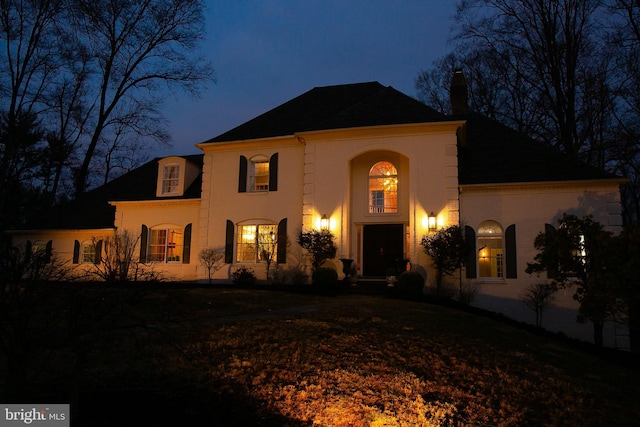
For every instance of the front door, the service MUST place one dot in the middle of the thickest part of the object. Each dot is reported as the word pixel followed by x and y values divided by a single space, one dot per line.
pixel 382 248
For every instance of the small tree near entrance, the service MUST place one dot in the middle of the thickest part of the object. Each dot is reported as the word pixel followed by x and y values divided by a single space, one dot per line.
pixel 320 246
pixel 447 251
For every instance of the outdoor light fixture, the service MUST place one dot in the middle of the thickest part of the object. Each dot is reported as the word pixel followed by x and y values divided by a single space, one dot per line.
pixel 432 220
pixel 324 222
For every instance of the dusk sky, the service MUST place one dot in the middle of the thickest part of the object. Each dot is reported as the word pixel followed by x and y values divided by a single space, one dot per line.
pixel 267 52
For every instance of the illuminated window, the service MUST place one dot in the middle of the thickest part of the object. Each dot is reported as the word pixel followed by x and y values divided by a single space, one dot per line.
pixel 165 245
pixel 383 188
pixel 170 178
pixel 490 250
pixel 259 175
pixel 257 242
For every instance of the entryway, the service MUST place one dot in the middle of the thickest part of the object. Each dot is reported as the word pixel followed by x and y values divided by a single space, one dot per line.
pixel 383 247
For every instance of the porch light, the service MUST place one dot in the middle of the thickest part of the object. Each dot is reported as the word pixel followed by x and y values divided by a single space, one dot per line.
pixel 432 221
pixel 324 222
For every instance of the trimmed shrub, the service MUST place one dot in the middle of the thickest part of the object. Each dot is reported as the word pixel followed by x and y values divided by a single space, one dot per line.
pixel 243 276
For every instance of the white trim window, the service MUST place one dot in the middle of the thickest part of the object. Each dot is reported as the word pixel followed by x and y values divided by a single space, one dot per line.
pixel 88 253
pixel 170 179
pixel 256 242
pixel 259 174
pixel 165 244
pixel 490 250
pixel 383 188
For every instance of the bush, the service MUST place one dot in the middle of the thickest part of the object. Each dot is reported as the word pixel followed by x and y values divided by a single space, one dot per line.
pixel 410 283
pixel 325 279
pixel 243 276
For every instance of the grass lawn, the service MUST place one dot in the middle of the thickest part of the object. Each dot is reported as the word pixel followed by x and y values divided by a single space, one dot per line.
pixel 227 357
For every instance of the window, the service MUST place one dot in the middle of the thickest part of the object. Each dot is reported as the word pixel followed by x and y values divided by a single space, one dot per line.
pixel 165 245
pixel 383 188
pixel 170 178
pixel 257 242
pixel 88 253
pixel 490 250
pixel 259 175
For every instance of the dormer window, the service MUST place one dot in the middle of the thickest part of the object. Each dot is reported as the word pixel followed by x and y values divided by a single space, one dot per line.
pixel 175 175
pixel 170 179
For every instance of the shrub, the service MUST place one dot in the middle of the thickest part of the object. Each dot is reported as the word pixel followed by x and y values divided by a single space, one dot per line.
pixel 326 279
pixel 410 283
pixel 243 276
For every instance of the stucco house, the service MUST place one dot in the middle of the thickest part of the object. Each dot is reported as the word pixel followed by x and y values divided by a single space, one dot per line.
pixel 378 168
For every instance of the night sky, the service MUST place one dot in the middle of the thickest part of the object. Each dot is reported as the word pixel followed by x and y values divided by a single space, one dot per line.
pixel 267 52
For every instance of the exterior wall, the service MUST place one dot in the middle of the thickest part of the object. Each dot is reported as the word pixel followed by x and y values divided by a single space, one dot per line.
pixel 222 202
pixel 337 165
pixel 529 207
pixel 163 213
pixel 62 244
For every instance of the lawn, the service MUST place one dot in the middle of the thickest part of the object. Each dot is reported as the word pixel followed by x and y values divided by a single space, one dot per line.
pixel 229 357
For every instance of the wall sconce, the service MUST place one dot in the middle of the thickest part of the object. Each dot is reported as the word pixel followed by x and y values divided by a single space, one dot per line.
pixel 324 222
pixel 432 221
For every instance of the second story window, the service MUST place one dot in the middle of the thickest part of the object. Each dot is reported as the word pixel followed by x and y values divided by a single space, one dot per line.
pixel 259 175
pixel 383 188
pixel 170 178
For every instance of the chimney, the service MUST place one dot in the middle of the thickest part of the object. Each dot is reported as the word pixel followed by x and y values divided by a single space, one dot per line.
pixel 458 94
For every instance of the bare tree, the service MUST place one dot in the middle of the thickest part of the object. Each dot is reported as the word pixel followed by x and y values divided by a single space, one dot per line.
pixel 136 47
pixel 212 259
pixel 537 297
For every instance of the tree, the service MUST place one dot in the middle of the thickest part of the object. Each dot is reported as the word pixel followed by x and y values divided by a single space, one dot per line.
pixel 212 259
pixel 119 263
pixel 268 244
pixel 537 297
pixel 446 247
pixel 320 246
pixel 580 254
pixel 563 72
pixel 135 47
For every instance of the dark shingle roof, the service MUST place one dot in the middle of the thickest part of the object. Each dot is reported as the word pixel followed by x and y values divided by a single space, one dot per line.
pixel 495 153
pixel 335 107
pixel 92 209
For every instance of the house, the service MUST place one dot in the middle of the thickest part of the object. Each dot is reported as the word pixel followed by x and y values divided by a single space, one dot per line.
pixel 375 166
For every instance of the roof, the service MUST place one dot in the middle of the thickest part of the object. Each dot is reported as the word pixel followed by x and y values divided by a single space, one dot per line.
pixel 335 107
pixel 92 209
pixel 491 154
pixel 494 153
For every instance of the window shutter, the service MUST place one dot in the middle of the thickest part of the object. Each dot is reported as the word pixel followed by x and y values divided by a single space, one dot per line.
pixel 282 242
pixel 143 243
pixel 98 255
pixel 48 251
pixel 242 175
pixel 510 252
pixel 273 172
pixel 76 252
pixel 552 266
pixel 186 247
pixel 228 247
pixel 470 249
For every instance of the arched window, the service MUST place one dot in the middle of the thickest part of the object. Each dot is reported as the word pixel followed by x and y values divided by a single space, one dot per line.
pixel 490 250
pixel 383 188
